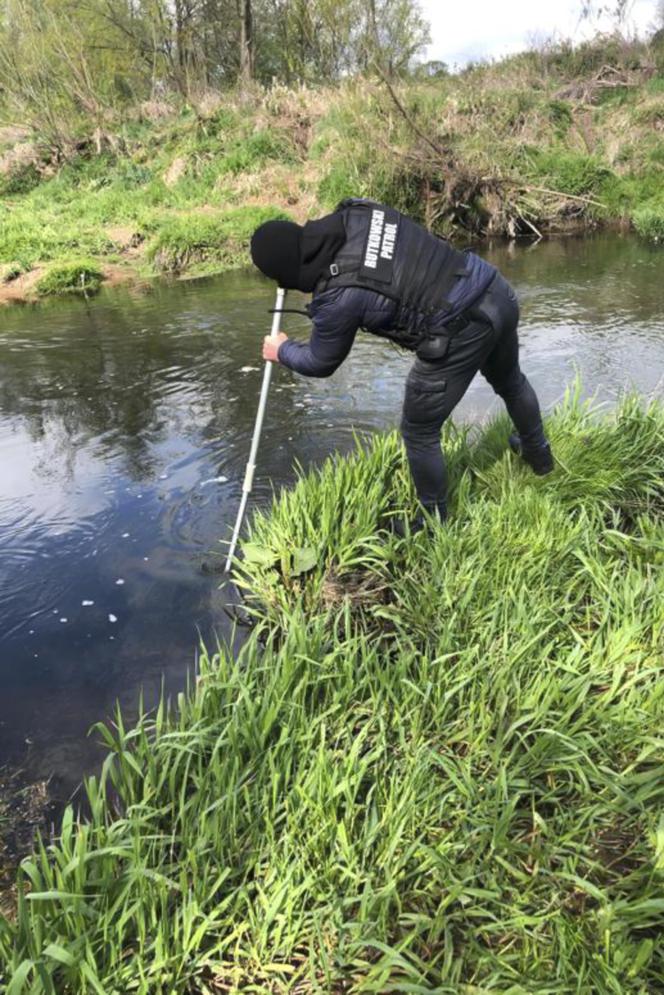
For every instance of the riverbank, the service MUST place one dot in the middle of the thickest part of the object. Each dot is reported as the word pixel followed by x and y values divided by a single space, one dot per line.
pixel 24 811
pixel 548 141
pixel 436 765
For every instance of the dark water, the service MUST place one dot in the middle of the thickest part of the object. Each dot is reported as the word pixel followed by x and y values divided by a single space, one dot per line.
pixel 124 429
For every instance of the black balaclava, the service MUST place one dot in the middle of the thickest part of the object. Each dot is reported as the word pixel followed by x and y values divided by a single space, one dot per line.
pixel 296 255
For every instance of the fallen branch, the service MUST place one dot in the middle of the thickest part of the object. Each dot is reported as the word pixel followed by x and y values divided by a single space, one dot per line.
pixel 531 226
pixel 526 188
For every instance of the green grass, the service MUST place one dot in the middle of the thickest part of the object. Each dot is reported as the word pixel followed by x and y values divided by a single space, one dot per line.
pixel 204 241
pixel 73 213
pixel 255 150
pixel 475 152
pixel 74 276
pixel 20 181
pixel 10 271
pixel 435 767
pixel 571 172
pixel 38 232
pixel 649 220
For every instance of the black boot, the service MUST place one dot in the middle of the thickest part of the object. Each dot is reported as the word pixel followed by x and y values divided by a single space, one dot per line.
pixel 539 458
pixel 428 516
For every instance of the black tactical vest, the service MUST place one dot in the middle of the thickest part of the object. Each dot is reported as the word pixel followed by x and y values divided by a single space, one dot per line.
pixel 387 252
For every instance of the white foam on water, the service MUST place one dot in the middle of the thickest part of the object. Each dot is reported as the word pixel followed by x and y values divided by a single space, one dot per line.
pixel 214 480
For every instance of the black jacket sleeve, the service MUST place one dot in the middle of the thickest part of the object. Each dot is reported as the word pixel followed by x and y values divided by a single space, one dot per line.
pixel 336 316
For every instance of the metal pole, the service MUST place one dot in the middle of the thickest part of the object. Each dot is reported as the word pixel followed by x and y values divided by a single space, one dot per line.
pixel 258 427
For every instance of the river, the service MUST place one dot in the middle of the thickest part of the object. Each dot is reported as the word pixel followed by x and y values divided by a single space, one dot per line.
pixel 125 424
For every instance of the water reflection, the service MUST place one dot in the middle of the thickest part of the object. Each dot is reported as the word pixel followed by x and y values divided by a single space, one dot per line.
pixel 124 429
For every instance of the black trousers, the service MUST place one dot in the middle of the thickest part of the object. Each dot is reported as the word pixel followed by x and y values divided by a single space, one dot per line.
pixel 434 387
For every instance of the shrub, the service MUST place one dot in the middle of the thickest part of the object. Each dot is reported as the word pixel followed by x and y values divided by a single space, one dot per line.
pixel 74 276
pixel 591 56
pixel 649 220
pixel 21 179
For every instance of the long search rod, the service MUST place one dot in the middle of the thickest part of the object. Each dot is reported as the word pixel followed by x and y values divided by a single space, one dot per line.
pixel 258 428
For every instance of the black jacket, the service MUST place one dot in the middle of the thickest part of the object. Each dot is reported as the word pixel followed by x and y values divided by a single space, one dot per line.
pixel 337 314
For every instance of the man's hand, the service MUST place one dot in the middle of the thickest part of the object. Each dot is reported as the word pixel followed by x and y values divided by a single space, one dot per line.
pixel 271 346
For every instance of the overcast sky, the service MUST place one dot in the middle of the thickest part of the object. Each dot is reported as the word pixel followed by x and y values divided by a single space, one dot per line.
pixel 476 29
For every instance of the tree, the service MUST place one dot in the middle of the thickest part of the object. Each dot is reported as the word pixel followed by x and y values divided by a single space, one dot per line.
pixel 434 69
pixel 56 65
pixel 395 32
pixel 659 15
pixel 617 9
pixel 64 59
pixel 246 41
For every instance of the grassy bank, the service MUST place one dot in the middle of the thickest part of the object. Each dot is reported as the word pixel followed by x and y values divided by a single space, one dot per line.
pixel 557 140
pixel 435 767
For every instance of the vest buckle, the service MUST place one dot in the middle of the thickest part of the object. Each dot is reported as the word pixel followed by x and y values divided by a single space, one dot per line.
pixel 334 269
